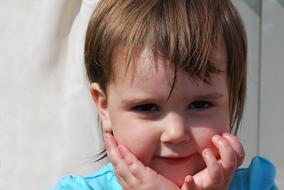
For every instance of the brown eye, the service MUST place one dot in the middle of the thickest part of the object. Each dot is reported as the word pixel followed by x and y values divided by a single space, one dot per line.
pixel 200 105
pixel 146 108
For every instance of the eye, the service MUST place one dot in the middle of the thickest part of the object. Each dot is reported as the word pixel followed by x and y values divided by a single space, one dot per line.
pixel 146 108
pixel 200 105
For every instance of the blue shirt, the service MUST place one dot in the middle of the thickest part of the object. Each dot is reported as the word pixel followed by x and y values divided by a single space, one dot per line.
pixel 258 176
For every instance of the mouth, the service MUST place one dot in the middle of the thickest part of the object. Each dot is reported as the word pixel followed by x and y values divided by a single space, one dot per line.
pixel 174 159
pixel 177 167
pixel 174 156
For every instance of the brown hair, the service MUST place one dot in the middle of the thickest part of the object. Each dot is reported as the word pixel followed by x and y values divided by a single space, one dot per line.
pixel 182 31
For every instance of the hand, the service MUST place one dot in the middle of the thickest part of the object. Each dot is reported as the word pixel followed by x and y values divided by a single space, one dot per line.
pixel 131 173
pixel 218 173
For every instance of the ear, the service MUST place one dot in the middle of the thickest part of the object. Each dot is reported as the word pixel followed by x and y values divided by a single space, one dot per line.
pixel 100 98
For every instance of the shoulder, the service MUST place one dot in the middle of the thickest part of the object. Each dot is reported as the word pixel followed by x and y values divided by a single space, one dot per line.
pixel 259 175
pixel 102 179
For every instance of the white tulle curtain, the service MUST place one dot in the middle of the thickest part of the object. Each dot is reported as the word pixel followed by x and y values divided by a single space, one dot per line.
pixel 47 118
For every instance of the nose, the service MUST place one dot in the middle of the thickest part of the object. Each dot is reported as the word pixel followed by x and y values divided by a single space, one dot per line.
pixel 175 129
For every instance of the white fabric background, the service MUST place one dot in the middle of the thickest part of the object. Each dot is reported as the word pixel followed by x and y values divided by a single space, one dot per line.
pixel 48 125
pixel 48 121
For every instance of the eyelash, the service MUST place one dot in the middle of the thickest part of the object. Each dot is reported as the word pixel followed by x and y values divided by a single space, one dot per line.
pixel 205 105
pixel 198 105
pixel 146 108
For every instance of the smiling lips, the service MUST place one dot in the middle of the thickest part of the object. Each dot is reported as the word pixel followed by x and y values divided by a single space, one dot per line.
pixel 174 159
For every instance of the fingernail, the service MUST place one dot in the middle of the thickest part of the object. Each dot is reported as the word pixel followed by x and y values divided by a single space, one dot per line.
pixel 188 179
pixel 216 138
pixel 226 135
pixel 207 152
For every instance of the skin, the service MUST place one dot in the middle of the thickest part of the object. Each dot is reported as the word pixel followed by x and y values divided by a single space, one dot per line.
pixel 168 143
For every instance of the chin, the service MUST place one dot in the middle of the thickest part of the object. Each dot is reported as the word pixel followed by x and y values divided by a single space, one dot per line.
pixel 177 179
pixel 177 169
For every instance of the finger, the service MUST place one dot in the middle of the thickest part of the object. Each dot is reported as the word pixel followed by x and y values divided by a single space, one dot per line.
pixel 121 168
pixel 128 157
pixel 188 183
pixel 237 146
pixel 136 167
pixel 122 181
pixel 112 151
pixel 214 168
pixel 228 158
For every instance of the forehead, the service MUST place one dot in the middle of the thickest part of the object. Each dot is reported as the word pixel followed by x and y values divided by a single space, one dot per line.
pixel 145 63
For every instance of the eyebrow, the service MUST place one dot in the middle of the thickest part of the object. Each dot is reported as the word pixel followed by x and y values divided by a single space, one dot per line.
pixel 208 96
pixel 134 101
pixel 215 64
pixel 214 67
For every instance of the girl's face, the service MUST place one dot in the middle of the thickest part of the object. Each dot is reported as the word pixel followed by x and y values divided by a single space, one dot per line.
pixel 166 134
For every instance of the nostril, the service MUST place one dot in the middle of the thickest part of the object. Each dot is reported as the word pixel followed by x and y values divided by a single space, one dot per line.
pixel 175 135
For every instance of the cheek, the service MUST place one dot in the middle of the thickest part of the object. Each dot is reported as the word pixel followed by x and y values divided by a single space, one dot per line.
pixel 202 135
pixel 140 138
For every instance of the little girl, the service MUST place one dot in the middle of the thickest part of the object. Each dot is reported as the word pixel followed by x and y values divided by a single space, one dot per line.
pixel 169 81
